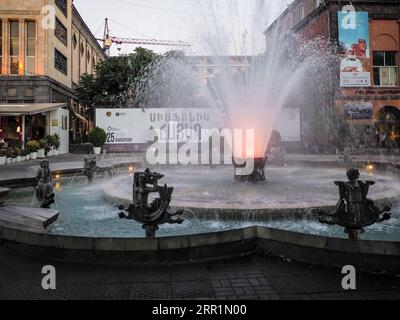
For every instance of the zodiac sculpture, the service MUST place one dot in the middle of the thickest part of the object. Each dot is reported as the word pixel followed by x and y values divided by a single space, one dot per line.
pixel 90 166
pixel 44 185
pixel 354 211
pixel 153 214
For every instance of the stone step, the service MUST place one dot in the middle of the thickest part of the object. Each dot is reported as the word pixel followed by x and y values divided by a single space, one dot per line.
pixel 27 218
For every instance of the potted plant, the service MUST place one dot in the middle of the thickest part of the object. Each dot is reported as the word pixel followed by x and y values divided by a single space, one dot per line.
pixel 10 155
pixel 98 138
pixel 51 141
pixel 3 156
pixel 24 155
pixel 57 143
pixel 33 147
pixel 17 154
pixel 43 146
pixel 28 154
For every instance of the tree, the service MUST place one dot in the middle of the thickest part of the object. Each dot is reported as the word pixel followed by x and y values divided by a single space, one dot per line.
pixel 113 84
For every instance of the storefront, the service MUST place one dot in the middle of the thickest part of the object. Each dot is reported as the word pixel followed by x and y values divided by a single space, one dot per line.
pixel 20 123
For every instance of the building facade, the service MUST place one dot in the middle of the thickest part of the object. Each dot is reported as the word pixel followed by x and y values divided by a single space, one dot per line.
pixel 45 46
pixel 368 43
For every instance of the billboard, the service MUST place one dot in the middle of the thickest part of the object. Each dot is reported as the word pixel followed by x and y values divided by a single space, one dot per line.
pixel 354 45
pixel 359 110
pixel 134 126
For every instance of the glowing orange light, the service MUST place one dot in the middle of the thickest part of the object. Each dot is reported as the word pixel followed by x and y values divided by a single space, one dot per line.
pixel 370 167
pixel 130 169
pixel 18 129
pixel 57 176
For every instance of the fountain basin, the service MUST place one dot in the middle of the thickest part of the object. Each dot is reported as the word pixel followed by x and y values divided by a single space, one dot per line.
pixel 252 233
pixel 377 256
pixel 288 191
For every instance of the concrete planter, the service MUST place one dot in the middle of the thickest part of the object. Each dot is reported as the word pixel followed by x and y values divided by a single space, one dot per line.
pixel 34 155
pixel 56 152
pixel 18 159
pixel 97 150
pixel 3 160
pixel 28 157
pixel 9 160
pixel 50 153
pixel 40 153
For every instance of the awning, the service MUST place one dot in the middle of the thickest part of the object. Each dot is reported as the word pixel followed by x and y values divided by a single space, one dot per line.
pixel 79 116
pixel 28 109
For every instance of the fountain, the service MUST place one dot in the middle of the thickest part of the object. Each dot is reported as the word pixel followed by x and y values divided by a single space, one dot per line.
pixel 44 188
pixel 257 174
pixel 354 211
pixel 150 214
pixel 223 218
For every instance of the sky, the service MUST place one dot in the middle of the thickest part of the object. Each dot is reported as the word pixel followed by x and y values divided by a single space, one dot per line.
pixel 239 22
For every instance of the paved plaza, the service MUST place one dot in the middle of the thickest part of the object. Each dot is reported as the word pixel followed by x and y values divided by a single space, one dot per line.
pixel 252 277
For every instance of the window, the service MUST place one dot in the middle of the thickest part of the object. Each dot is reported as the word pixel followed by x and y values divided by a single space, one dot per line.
pixel 60 62
pixel 1 46
pixel 302 12
pixel 82 50
pixel 14 47
pixel 61 32
pixel 30 47
pixel 385 68
pixel 62 5
pixel 74 41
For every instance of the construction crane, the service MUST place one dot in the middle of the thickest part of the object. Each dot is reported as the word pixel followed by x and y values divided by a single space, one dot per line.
pixel 109 40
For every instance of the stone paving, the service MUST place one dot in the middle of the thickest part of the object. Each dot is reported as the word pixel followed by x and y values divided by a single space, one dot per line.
pixel 253 277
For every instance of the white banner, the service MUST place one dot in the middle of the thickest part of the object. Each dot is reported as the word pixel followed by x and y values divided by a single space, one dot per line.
pixel 134 126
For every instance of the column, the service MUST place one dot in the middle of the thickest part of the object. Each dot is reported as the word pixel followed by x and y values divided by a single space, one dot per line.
pixel 23 131
pixel 21 67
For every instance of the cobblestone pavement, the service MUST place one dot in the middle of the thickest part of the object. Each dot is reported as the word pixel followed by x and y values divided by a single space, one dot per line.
pixel 253 277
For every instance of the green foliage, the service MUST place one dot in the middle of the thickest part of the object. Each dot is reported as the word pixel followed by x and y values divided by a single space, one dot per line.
pixel 57 141
pixel 33 146
pixel 114 81
pixel 44 144
pixel 3 152
pixel 51 140
pixel 97 137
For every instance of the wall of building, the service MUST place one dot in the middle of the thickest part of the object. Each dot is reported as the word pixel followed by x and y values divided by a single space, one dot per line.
pixel 68 24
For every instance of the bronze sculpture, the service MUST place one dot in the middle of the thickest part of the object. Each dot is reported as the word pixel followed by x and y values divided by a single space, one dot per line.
pixel 153 214
pixel 44 185
pixel 354 211
pixel 90 166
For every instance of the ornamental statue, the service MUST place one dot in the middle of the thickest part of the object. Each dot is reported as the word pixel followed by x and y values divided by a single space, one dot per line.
pixel 90 166
pixel 153 214
pixel 44 185
pixel 354 211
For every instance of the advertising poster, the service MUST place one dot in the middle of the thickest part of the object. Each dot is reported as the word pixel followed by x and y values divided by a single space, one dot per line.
pixel 354 43
pixel 134 126
pixel 359 110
